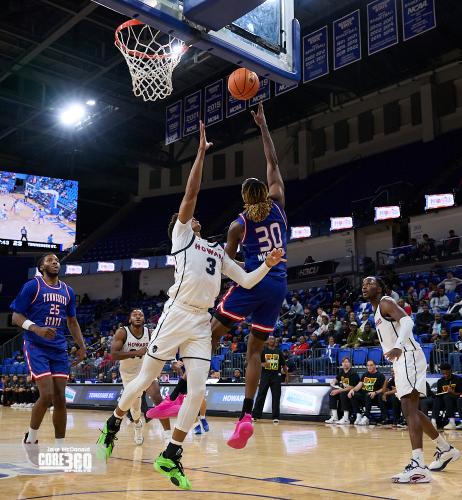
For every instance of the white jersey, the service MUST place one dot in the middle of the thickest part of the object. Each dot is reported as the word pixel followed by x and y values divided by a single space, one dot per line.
pixel 198 268
pixel 132 366
pixel 387 331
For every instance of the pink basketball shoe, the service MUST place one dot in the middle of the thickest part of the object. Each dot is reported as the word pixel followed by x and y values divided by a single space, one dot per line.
pixel 242 433
pixel 167 408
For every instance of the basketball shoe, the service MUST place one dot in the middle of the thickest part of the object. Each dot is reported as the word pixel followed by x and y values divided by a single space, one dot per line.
pixel 242 433
pixel 173 469
pixel 413 473
pixel 442 458
pixel 167 408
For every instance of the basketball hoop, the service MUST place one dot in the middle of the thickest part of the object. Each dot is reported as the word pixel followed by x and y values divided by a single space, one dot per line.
pixel 151 57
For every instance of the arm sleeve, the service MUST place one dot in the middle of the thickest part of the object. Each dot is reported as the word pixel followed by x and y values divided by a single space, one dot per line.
pixel 181 236
pixel 25 297
pixel 237 274
pixel 405 330
pixel 71 306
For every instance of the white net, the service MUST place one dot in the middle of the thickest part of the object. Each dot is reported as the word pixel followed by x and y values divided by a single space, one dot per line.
pixel 151 57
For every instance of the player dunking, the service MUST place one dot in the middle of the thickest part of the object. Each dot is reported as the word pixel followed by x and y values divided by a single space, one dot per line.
pixel 394 329
pixel 129 346
pixel 260 228
pixel 185 321
pixel 42 309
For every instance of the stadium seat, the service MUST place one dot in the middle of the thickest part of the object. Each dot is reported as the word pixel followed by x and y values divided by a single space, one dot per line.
pixel 359 356
pixel 427 349
pixel 344 353
pixel 375 354
pixel 454 329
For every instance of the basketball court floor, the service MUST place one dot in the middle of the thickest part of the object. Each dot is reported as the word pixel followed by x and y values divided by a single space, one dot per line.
pixel 294 460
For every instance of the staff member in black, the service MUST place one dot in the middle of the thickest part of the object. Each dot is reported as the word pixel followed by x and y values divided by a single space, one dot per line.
pixel 272 362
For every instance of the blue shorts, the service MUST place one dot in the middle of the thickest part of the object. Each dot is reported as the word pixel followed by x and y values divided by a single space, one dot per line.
pixel 43 360
pixel 263 302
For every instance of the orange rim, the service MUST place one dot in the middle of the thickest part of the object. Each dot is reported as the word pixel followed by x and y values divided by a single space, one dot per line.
pixel 136 53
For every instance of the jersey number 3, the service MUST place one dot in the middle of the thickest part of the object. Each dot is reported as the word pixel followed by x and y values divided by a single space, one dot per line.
pixel 211 267
pixel 270 237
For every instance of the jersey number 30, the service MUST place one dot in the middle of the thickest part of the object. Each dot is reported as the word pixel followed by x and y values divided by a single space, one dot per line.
pixel 270 237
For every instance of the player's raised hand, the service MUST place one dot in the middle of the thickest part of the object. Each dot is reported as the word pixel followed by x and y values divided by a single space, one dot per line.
pixel 275 257
pixel 45 331
pixel 259 116
pixel 203 144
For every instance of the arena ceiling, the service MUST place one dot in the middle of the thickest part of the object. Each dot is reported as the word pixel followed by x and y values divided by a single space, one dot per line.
pixel 52 51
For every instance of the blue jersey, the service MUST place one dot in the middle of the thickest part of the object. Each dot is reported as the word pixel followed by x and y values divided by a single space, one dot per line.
pixel 46 305
pixel 260 238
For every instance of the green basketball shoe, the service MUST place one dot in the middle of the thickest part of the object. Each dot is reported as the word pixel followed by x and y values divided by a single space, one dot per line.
pixel 172 469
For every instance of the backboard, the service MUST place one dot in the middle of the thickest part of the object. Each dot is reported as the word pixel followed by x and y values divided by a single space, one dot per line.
pixel 265 40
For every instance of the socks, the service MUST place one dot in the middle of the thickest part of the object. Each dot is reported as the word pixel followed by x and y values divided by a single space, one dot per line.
pixel 32 437
pixel 59 442
pixel 334 414
pixel 246 407
pixel 173 450
pixel 167 435
pixel 113 423
pixel 180 388
pixel 418 456
pixel 441 443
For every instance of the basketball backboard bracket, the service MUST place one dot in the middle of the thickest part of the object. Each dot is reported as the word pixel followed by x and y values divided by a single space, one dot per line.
pixel 266 40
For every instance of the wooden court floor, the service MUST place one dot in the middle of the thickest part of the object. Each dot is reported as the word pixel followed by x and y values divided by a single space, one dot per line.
pixel 294 460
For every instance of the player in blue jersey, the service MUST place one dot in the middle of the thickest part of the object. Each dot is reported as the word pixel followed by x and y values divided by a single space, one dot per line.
pixel 43 308
pixel 259 229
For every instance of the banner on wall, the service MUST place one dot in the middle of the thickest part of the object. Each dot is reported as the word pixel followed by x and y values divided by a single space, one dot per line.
pixel 347 40
pixel 282 88
pixel 382 25
pixel 173 122
pixel 419 16
pixel 192 113
pixel 315 55
pixel 213 103
pixel 234 106
pixel 263 94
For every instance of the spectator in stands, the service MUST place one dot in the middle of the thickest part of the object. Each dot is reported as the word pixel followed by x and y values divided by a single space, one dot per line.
pixel 455 313
pixel 295 314
pixel 411 295
pixel 391 400
pixel 341 336
pixel 309 260
pixel 7 391
pixel 439 302
pixel 427 247
pixel 352 339
pixel 424 322
pixel 392 293
pixel 237 377
pixel 321 332
pixel 341 385
pixel 352 317
pixel 450 283
pixel 422 290
pixel 426 403
pixel 404 305
pixel 440 352
pixel 327 360
pixel 321 313
pixel 448 392
pixel 367 392
pixel 452 244
pixel 115 377
pixel 312 326
pixel 456 356
pixel 367 337
pixel 300 347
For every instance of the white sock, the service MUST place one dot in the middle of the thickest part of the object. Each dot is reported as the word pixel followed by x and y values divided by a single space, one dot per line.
pixel 167 434
pixel 199 420
pixel 59 442
pixel 335 414
pixel 418 456
pixel 452 420
pixel 176 442
pixel 32 437
pixel 346 414
pixel 441 443
pixel 139 423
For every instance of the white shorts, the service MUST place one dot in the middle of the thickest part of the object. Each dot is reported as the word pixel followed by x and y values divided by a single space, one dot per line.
pixel 182 328
pixel 411 373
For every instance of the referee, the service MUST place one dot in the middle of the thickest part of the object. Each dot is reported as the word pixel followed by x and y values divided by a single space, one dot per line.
pixel 272 363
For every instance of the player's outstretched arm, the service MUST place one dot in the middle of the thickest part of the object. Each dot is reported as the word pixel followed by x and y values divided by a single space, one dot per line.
pixel 273 174
pixel 249 280
pixel 388 307
pixel 188 204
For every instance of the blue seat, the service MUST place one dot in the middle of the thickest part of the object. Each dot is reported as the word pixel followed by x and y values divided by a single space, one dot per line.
pixel 427 349
pixel 344 353
pixel 359 356
pixel 375 354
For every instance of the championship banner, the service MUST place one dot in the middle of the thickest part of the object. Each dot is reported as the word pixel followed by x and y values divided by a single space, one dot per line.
pixel 347 40
pixel 315 55
pixel 192 113
pixel 233 106
pixel 213 103
pixel 419 16
pixel 173 122
pixel 382 25
pixel 282 88
pixel 263 94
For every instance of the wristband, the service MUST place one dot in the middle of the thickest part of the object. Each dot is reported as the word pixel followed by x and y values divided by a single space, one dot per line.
pixel 27 324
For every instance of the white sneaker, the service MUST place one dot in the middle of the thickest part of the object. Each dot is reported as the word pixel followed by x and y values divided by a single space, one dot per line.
pixel 14 405
pixel 331 420
pixel 450 427
pixel 413 473
pixel 358 419
pixel 30 405
pixel 364 421
pixel 343 421
pixel 138 435
pixel 275 421
pixel 442 458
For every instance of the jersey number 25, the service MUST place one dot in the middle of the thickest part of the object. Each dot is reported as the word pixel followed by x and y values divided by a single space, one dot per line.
pixel 270 237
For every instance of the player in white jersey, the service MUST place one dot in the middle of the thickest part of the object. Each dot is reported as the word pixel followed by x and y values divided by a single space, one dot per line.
pixel 129 346
pixel 394 329
pixel 185 322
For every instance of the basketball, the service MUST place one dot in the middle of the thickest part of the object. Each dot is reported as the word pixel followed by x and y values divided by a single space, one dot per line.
pixel 243 84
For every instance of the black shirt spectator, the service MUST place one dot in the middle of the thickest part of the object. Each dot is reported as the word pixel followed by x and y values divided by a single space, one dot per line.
pixel 424 321
pixel 448 391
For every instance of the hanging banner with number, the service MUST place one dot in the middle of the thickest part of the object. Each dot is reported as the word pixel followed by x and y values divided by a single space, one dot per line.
pixel 382 25
pixel 234 106
pixel 173 114
pixel 192 113
pixel 282 88
pixel 347 40
pixel 213 103
pixel 263 94
pixel 418 17
pixel 315 55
